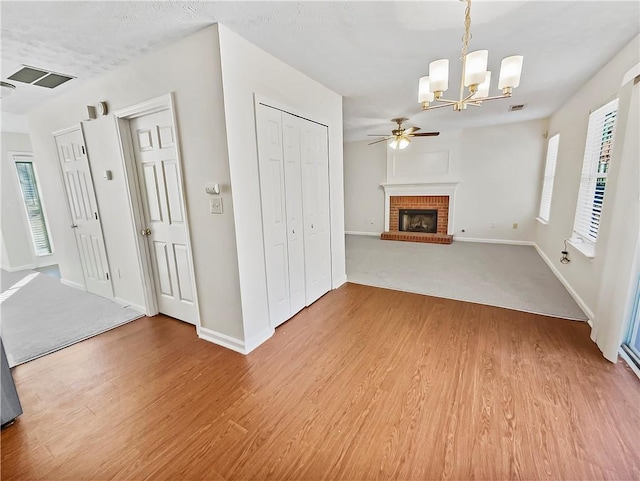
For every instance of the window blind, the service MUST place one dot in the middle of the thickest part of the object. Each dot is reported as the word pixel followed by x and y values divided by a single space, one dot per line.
pixel 595 166
pixel 35 215
pixel 549 175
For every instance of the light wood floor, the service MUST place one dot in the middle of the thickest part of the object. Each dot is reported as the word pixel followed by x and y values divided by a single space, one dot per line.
pixel 366 384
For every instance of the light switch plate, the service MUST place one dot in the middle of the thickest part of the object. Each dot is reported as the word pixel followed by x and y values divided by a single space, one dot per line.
pixel 215 205
pixel 213 189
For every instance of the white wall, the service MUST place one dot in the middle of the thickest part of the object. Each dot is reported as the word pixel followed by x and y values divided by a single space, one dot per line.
pixel 17 244
pixel 365 168
pixel 248 70
pixel 584 275
pixel 190 68
pixel 17 123
pixel 499 169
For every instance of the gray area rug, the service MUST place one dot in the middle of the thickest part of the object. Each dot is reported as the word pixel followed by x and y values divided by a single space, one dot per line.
pixel 499 275
pixel 40 315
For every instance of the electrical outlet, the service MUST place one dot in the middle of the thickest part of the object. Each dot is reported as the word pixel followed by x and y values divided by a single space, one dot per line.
pixel 215 205
pixel 370 221
pixel 515 225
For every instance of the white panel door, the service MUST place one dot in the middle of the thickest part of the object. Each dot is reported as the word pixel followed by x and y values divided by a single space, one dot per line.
pixel 274 215
pixel 315 191
pixel 293 202
pixel 161 192
pixel 83 206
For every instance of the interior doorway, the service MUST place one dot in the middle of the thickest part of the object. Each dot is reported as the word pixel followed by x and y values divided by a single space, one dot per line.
pixel 148 137
pixel 83 209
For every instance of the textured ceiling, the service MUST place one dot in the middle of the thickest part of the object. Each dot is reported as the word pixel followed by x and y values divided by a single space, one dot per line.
pixel 372 53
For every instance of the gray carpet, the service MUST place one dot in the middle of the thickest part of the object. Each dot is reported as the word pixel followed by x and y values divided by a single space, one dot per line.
pixel 40 315
pixel 500 275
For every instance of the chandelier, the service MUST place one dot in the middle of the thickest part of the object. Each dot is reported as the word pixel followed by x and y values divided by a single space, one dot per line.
pixel 474 76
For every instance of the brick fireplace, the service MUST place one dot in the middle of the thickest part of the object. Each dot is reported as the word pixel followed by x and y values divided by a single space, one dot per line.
pixel 419 218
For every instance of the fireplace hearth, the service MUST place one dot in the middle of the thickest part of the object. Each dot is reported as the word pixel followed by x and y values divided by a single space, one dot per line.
pixel 418 220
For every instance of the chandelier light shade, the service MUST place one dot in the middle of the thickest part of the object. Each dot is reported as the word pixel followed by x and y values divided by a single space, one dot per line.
pixel 510 70
pixel 483 88
pixel 476 67
pixel 475 76
pixel 424 94
pixel 439 75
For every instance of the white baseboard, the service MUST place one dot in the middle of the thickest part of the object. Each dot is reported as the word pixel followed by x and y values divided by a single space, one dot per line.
pixel 566 284
pixel 222 340
pixel 340 281
pixel 355 232
pixel 18 268
pixel 255 341
pixel 125 303
pixel 73 284
pixel 494 241
pixel 243 347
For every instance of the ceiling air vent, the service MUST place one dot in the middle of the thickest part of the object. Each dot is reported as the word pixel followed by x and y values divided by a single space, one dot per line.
pixel 514 108
pixel 39 77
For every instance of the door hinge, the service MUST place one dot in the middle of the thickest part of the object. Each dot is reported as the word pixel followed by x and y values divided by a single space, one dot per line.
pixel 83 152
pixel 107 276
pixel 96 214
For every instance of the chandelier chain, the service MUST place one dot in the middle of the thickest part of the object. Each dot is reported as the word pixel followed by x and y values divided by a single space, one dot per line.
pixel 467 29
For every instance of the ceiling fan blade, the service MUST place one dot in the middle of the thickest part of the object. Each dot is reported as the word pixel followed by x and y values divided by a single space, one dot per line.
pixel 426 134
pixel 411 130
pixel 377 135
pixel 381 140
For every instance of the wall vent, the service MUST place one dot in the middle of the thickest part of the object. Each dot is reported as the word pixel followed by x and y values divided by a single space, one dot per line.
pixel 514 108
pixel 39 77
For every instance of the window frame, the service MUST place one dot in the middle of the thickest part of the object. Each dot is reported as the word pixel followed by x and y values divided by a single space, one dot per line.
pixel 583 241
pixel 28 157
pixel 548 179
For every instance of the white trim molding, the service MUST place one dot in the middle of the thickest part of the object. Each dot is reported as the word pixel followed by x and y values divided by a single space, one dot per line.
pixel 425 188
pixel 339 282
pixel 357 232
pixel 495 241
pixel 243 347
pixel 255 341
pixel 631 74
pixel 73 284
pixel 565 283
pixel 125 303
pixel 221 339
pixel 18 268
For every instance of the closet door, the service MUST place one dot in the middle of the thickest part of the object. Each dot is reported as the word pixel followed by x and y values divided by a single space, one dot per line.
pixel 293 197
pixel 315 205
pixel 274 216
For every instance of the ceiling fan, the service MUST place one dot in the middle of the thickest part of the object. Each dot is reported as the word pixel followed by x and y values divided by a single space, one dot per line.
pixel 401 136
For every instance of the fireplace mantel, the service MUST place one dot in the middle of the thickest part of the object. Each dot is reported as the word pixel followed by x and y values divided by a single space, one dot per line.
pixel 430 188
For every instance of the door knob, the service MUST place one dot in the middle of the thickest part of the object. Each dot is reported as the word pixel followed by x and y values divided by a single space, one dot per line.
pixel 145 232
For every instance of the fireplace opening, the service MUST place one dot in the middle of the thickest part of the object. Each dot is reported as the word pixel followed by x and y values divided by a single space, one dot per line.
pixel 418 220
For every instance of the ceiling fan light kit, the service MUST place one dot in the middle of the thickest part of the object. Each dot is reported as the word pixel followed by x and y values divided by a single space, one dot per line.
pixel 401 137
pixel 475 76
